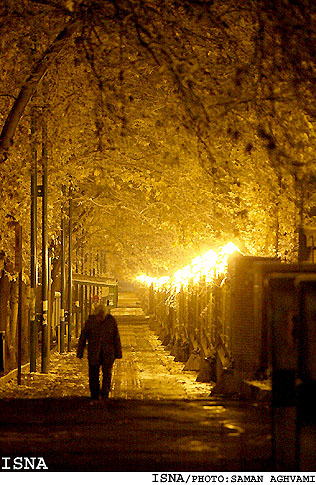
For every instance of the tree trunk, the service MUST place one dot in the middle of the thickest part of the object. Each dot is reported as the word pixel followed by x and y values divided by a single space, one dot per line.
pixel 4 299
pixel 12 322
pixel 30 86
pixel 26 293
pixel 300 196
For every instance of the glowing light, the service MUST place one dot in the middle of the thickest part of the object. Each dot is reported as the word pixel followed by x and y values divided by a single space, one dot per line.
pixel 156 282
pixel 224 252
pixel 210 265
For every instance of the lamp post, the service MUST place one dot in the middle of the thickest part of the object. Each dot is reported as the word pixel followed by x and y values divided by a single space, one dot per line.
pixel 62 276
pixel 70 224
pixel 45 343
pixel 33 319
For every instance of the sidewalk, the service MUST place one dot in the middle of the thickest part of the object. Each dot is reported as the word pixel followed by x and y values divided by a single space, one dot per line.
pixel 67 377
pixel 147 370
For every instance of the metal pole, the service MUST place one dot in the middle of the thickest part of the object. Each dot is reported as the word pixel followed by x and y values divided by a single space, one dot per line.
pixel 33 319
pixel 151 304
pixel 97 256
pixel 49 319
pixel 90 286
pixel 70 225
pixel 82 304
pixel 86 305
pixel 77 300
pixel 81 307
pixel 116 295
pixel 62 276
pixel 93 286
pixel 76 311
pixel 18 268
pixel 45 344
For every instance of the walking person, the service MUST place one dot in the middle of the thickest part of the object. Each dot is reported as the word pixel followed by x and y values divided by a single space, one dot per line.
pixel 104 346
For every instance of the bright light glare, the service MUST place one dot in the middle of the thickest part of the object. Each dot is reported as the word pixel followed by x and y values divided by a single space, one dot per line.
pixel 209 265
pixel 156 282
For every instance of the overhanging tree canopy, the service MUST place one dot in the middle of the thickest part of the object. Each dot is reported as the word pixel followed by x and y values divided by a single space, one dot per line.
pixel 178 123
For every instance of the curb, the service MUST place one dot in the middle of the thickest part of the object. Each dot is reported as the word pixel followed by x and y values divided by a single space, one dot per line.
pixel 25 367
pixel 256 391
pixel 13 373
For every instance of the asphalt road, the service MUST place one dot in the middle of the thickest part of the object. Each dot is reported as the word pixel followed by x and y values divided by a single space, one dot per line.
pixel 137 435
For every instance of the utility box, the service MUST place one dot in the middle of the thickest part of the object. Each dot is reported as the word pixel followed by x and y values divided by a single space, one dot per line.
pixel 240 320
pixel 306 374
pixel 290 300
pixel 282 315
pixel 262 272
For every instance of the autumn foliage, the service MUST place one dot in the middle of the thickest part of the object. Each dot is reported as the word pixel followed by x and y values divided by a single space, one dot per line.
pixel 181 125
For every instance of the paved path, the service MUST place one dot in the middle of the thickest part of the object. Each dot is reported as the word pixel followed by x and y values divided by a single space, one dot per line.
pixel 146 371
pixel 158 419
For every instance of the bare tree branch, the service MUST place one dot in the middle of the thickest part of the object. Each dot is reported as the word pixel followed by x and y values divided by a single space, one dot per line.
pixel 50 3
pixel 30 86
pixel 7 96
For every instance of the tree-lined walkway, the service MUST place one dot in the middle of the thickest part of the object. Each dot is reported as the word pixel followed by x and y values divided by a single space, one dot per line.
pixel 146 371
pixel 158 418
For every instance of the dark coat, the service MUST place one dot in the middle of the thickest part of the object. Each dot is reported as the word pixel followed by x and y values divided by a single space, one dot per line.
pixel 102 335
